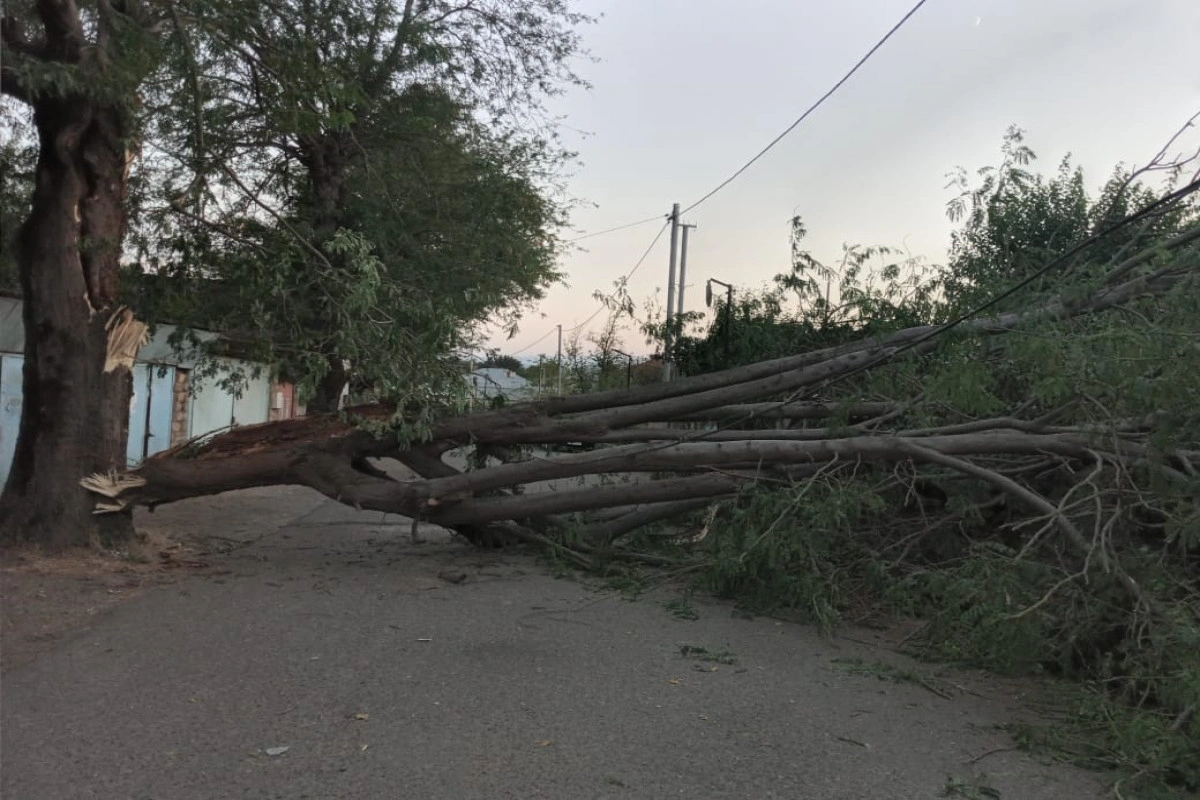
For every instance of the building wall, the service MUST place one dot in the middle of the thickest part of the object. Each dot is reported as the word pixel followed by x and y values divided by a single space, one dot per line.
pixel 10 409
pixel 490 382
pixel 179 408
pixel 283 401
pixel 169 413
pixel 150 411
pixel 213 408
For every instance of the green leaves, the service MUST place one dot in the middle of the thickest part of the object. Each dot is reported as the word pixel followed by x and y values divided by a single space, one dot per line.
pixel 329 164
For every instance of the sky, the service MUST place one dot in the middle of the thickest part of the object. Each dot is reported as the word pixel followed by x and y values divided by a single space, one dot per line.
pixel 684 92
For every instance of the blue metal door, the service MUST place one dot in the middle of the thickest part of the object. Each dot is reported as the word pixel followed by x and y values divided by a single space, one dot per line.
pixel 139 410
pixel 10 410
pixel 254 405
pixel 162 401
pixel 212 407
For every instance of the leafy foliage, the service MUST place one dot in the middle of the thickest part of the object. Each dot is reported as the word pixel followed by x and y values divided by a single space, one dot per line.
pixel 993 583
pixel 17 159
pixel 870 291
pixel 364 181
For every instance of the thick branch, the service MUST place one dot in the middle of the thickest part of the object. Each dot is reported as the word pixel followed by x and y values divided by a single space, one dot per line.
pixel 1028 497
pixel 649 458
pixel 535 423
pixel 561 502
pixel 1062 308
pixel 860 356
pixel 1133 262
pixel 611 530
pixel 799 410
pixel 454 499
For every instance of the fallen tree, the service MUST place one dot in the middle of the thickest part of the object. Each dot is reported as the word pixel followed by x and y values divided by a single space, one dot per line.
pixel 663 468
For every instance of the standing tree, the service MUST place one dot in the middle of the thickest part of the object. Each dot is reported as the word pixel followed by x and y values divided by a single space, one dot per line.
pixel 372 169
pixel 79 70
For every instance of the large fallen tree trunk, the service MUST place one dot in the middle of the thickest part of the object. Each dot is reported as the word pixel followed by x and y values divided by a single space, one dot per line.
pixel 655 469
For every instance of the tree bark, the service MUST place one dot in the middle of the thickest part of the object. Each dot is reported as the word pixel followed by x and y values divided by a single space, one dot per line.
pixel 75 413
pixel 326 158
pixel 327 397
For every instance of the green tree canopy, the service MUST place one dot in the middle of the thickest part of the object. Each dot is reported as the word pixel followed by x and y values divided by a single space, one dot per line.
pixel 366 181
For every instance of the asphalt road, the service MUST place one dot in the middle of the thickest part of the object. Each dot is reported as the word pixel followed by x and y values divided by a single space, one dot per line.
pixel 335 659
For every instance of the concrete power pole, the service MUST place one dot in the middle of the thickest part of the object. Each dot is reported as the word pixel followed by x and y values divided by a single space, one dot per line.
pixel 560 360
pixel 671 292
pixel 682 269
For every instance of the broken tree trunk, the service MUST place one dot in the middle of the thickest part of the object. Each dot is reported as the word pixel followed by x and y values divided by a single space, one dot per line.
pixel 79 343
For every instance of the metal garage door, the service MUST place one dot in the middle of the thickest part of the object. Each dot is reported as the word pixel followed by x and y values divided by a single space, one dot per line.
pixel 10 410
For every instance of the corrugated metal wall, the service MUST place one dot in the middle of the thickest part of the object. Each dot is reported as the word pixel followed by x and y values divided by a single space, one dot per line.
pixel 150 411
pixel 211 408
pixel 10 409
pixel 214 408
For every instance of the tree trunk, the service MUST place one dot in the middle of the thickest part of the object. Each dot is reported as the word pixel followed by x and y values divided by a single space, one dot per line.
pixel 328 394
pixel 79 346
pixel 326 158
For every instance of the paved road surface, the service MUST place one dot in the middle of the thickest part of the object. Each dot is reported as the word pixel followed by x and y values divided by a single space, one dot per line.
pixel 336 638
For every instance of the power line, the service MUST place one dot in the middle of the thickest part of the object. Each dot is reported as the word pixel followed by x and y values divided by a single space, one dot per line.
pixel 736 174
pixel 777 139
pixel 811 108
pixel 626 277
pixel 617 228
pixel 535 342
pixel 1173 197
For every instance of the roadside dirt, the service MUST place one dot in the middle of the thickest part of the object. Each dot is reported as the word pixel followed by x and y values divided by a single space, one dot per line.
pixel 48 598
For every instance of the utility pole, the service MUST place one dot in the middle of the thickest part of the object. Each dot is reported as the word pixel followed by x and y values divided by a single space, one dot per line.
pixel 708 301
pixel 628 367
pixel 670 293
pixel 682 269
pixel 560 360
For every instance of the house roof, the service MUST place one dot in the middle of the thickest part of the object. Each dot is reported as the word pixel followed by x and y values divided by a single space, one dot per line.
pixel 498 379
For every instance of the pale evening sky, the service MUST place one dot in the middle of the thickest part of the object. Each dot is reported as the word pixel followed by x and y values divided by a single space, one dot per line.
pixel 685 91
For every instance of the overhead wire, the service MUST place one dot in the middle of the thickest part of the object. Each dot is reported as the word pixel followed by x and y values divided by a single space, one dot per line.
pixel 741 169
pixel 811 108
pixel 1042 271
pixel 617 228
pixel 627 275
pixel 632 271
pixel 535 342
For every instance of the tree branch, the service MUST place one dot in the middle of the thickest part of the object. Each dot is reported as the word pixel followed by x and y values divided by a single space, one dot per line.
pixel 1030 498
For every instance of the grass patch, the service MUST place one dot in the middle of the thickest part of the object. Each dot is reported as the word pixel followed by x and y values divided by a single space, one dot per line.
pixel 698 653
pixel 682 608
pixel 977 787
pixel 894 674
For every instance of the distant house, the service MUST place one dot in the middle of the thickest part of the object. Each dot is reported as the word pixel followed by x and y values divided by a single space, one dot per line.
pixel 170 403
pixel 490 382
pixel 648 371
